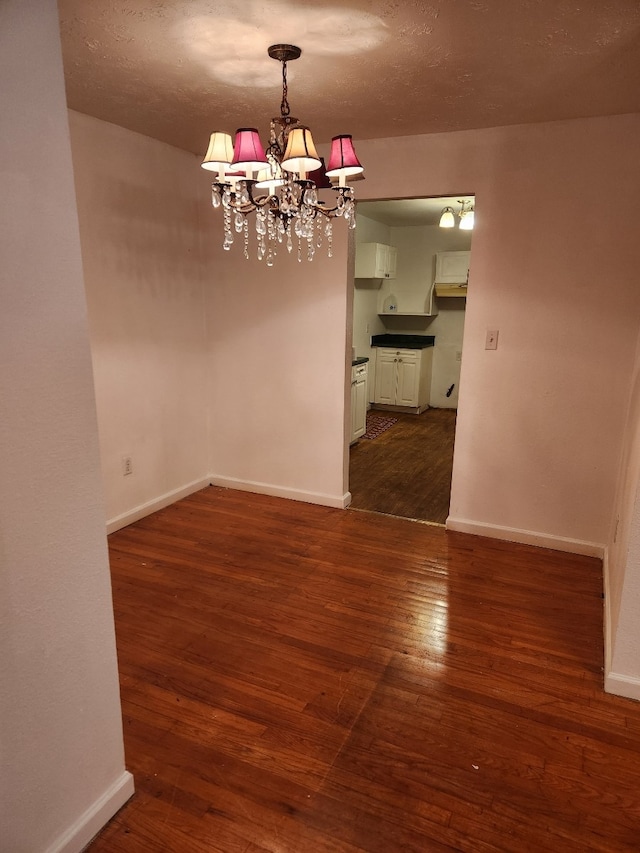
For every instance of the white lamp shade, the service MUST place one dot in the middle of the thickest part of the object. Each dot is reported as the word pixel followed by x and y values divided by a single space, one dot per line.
pixel 301 155
pixel 270 178
pixel 467 221
pixel 447 218
pixel 219 153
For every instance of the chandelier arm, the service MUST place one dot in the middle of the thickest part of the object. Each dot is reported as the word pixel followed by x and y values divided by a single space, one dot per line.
pixel 332 212
pixel 255 203
pixel 243 207
pixel 273 202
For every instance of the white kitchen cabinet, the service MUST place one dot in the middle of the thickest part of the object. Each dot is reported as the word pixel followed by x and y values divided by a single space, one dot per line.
pixel 403 378
pixel 392 262
pixel 452 267
pixel 375 260
pixel 359 377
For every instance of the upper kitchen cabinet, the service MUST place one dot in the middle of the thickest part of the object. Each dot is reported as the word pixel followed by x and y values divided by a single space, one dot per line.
pixel 452 267
pixel 375 260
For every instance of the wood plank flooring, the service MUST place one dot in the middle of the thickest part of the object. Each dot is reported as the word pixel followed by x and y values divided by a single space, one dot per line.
pixel 406 471
pixel 299 679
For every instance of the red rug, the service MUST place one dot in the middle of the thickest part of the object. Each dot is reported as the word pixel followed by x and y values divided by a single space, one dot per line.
pixel 377 424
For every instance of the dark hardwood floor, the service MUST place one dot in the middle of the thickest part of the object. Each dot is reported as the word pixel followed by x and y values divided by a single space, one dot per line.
pixel 406 471
pixel 299 679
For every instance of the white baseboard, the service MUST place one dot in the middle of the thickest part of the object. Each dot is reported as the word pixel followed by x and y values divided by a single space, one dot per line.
pixel 606 618
pixel 526 537
pixel 622 685
pixel 95 817
pixel 161 502
pixel 338 501
pixel 614 682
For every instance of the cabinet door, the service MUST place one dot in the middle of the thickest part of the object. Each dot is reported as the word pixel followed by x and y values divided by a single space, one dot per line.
pixel 375 260
pixel 408 379
pixel 392 262
pixel 386 370
pixel 382 261
pixel 371 260
pixel 358 406
pixel 452 267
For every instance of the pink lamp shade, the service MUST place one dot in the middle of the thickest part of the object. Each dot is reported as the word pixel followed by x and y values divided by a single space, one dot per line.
pixel 301 155
pixel 319 177
pixel 219 153
pixel 248 153
pixel 343 160
pixel 233 177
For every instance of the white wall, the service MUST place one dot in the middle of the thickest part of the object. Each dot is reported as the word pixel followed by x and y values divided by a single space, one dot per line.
pixel 541 420
pixel 140 206
pixel 189 383
pixel 541 424
pixel 622 566
pixel 62 755
pixel 280 349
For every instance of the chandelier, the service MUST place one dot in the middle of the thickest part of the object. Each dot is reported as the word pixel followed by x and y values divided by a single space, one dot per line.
pixel 281 184
pixel 465 214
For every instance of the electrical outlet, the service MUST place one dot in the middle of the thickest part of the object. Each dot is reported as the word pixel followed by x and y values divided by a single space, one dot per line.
pixel 127 465
pixel 492 339
pixel 459 355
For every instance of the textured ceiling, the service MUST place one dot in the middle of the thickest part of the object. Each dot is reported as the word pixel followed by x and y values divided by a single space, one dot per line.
pixel 178 69
pixel 399 213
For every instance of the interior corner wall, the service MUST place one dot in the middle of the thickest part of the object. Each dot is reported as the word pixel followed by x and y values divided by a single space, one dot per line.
pixel 622 672
pixel 139 205
pixel 62 758
pixel 541 419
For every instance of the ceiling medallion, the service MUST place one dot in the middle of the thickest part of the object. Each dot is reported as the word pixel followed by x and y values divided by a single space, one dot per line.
pixel 281 184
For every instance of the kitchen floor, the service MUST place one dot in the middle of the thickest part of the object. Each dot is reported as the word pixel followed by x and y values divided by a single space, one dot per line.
pixel 406 470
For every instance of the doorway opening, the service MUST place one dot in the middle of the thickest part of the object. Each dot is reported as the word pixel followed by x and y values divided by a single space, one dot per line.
pixel 410 293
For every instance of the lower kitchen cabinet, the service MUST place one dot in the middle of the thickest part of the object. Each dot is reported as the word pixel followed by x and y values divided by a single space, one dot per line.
pixel 359 375
pixel 403 378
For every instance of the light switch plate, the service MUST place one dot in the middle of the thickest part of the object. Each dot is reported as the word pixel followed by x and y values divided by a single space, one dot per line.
pixel 492 339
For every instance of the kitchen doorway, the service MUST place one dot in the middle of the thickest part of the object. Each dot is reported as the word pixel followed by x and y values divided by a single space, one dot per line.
pixel 402 463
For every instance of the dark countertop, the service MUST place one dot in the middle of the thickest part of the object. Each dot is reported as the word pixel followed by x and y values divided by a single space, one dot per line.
pixel 361 360
pixel 403 341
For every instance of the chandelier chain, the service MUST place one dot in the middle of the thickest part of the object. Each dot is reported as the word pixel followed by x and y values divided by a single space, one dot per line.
pixel 284 106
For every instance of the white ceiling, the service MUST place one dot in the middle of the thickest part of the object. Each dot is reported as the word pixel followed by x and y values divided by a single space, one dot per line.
pixel 178 69
pixel 398 213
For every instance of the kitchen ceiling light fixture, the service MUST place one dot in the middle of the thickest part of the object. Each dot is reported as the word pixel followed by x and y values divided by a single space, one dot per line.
pixel 447 218
pixel 466 216
pixel 291 173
